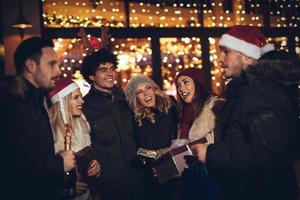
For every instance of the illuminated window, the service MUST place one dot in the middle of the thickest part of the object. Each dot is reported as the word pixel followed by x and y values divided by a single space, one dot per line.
pixel 159 15
pixel 134 57
pixel 83 13
pixel 217 80
pixel 178 54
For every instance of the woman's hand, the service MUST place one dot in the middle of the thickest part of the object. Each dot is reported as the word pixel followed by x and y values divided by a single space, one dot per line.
pixel 81 186
pixel 94 168
pixel 161 152
pixel 200 152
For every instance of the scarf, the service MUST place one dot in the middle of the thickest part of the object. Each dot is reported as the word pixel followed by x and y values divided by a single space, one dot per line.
pixel 187 120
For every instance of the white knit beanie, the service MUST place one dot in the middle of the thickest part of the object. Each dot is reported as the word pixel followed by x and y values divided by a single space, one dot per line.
pixel 133 84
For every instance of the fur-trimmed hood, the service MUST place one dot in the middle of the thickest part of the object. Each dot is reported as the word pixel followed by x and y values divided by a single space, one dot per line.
pixel 205 123
pixel 285 72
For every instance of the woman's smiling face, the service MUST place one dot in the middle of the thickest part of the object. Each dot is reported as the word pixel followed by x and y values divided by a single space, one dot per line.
pixel 186 88
pixel 145 95
pixel 76 103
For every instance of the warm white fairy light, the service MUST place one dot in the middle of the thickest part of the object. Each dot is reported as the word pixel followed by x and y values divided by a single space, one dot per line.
pixel 157 15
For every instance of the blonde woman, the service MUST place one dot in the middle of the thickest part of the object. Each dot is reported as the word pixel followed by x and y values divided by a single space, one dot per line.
pixel 156 125
pixel 72 131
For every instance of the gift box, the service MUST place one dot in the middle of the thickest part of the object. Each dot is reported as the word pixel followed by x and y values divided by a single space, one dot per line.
pixel 83 158
pixel 172 163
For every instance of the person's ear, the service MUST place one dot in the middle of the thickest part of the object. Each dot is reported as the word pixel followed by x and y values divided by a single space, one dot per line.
pixel 30 66
pixel 247 61
pixel 92 77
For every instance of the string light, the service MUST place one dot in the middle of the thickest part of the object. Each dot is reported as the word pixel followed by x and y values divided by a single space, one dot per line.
pixel 69 13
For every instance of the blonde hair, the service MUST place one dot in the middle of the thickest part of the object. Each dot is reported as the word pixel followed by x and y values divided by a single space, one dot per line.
pixel 163 102
pixel 80 128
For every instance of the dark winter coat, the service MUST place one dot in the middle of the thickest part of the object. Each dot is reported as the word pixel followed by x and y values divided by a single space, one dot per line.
pixel 112 137
pixel 158 135
pixel 31 168
pixel 196 177
pixel 255 156
pixel 155 136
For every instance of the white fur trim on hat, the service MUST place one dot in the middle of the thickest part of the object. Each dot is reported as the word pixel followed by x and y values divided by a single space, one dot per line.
pixel 241 46
pixel 64 92
pixel 268 47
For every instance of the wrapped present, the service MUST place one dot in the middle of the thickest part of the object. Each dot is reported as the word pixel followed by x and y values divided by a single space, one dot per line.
pixel 84 157
pixel 172 163
pixel 147 153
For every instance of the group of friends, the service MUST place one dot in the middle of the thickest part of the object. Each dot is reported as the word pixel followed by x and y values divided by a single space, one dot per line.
pixel 252 132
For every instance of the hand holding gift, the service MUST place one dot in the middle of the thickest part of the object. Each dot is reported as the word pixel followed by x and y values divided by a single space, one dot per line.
pixel 200 151
pixel 94 168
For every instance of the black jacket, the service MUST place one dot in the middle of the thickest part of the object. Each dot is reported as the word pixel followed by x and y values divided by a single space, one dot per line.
pixel 31 169
pixel 155 136
pixel 158 135
pixel 255 156
pixel 112 137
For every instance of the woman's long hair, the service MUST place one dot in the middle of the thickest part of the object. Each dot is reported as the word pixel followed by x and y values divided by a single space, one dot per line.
pixel 79 126
pixel 200 97
pixel 163 103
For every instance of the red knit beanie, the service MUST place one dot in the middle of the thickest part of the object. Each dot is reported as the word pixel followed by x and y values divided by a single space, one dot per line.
pixel 187 117
pixel 196 74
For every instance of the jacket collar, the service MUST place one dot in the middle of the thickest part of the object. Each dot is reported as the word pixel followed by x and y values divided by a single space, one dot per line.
pixel 116 95
pixel 30 91
pixel 284 72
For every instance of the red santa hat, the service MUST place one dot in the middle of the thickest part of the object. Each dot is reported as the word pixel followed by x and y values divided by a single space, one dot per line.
pixel 248 40
pixel 63 88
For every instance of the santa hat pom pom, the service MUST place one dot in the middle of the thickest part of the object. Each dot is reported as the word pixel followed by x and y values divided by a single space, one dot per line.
pixel 95 42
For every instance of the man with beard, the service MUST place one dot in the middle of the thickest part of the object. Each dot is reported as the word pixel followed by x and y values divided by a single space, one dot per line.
pixel 255 156
pixel 32 170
